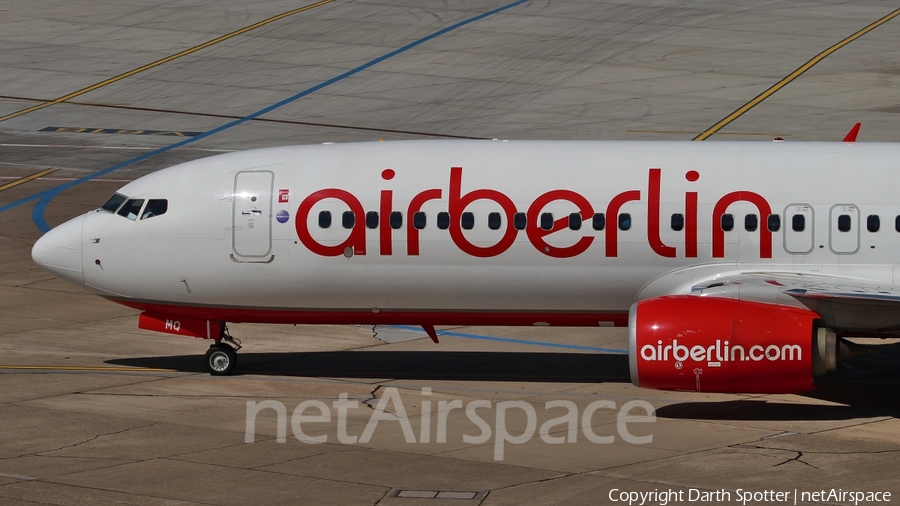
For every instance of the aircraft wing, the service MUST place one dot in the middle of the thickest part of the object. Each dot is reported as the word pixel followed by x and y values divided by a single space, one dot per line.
pixel 844 303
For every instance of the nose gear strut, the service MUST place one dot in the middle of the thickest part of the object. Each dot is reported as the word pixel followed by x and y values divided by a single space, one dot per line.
pixel 221 358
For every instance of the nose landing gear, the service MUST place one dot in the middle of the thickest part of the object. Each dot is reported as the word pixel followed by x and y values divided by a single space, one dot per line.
pixel 221 358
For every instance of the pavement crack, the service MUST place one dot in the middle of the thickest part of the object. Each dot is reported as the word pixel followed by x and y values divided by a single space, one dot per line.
pixel 75 445
pixel 26 285
pixel 797 458
pixel 373 395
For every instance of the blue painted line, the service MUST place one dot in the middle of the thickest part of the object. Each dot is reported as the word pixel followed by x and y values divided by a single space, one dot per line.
pixel 515 341
pixel 46 196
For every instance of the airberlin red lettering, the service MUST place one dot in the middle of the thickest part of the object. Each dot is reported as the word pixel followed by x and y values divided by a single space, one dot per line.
pixel 459 201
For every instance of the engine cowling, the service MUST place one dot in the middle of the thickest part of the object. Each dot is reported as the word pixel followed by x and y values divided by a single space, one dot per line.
pixel 708 344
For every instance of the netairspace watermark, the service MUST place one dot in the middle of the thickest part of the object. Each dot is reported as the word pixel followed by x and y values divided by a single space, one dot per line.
pixel 742 496
pixel 318 412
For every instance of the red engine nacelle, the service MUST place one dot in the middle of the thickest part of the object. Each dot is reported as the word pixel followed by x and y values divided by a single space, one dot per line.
pixel 707 344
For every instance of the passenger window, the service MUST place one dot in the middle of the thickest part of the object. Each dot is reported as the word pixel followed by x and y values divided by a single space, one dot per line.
pixel 520 220
pixel 131 209
pixel 751 223
pixel 419 220
pixel 155 207
pixel 372 219
pixel 348 219
pixel 468 221
pixel 396 220
pixel 494 221
pixel 624 221
pixel 727 222
pixel 844 223
pixel 575 221
pixel 599 221
pixel 798 223
pixel 897 223
pixel 873 223
pixel 773 223
pixel 546 221
pixel 324 219
pixel 677 222
pixel 116 200
pixel 443 221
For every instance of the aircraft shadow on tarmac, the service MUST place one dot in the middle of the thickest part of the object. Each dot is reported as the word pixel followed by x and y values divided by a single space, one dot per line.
pixel 418 365
pixel 867 386
pixel 862 387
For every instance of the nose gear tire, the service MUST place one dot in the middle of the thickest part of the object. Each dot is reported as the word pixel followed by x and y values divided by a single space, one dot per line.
pixel 221 359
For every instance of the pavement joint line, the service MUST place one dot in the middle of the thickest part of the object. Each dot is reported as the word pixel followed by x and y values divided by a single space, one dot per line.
pixel 164 60
pixel 26 179
pixel 148 499
pixel 694 132
pixel 78 368
pixel 541 480
pixel 268 120
pixel 119 131
pixel 18 477
pixel 79 146
pixel 793 75
pixel 879 419
pixel 20 241
pixel 45 197
pixel 98 180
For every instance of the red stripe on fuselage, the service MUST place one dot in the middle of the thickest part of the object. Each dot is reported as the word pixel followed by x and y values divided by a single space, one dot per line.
pixel 382 317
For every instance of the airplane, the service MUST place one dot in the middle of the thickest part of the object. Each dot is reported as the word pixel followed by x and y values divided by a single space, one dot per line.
pixel 736 266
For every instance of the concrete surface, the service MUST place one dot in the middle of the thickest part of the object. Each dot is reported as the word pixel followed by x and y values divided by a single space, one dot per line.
pixel 95 411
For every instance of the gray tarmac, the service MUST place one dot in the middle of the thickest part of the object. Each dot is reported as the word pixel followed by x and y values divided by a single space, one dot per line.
pixel 95 411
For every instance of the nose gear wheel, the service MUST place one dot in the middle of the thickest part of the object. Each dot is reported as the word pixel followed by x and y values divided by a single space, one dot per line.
pixel 221 359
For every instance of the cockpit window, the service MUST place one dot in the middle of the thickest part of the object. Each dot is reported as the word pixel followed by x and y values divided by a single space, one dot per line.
pixel 155 207
pixel 113 203
pixel 131 209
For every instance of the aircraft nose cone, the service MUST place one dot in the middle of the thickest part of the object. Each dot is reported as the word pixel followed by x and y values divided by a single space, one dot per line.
pixel 59 251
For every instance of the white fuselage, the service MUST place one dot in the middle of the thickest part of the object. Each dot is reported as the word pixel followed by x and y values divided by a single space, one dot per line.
pixel 230 236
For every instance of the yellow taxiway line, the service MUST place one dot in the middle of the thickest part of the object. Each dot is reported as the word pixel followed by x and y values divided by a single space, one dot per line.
pixel 26 179
pixel 164 60
pixel 793 75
